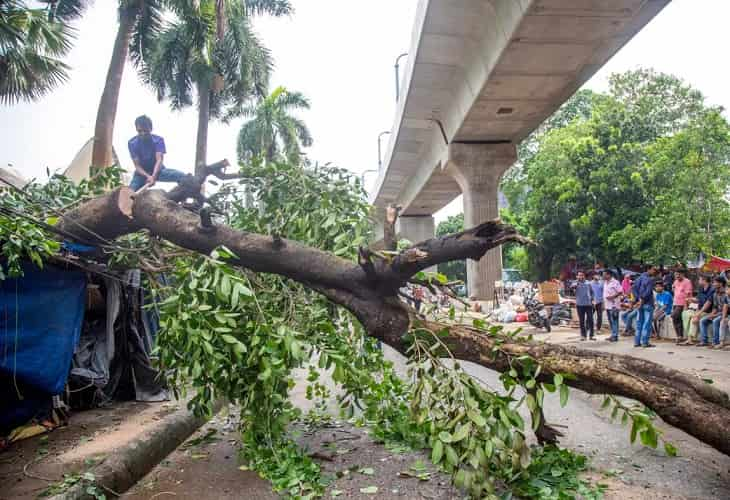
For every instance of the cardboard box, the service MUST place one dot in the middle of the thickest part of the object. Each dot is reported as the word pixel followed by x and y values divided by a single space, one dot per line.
pixel 548 292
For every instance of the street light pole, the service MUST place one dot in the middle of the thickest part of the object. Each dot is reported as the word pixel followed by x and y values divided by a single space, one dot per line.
pixel 380 154
pixel 397 75
pixel 362 176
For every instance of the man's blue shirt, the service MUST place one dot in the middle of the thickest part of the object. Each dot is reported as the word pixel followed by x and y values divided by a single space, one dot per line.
pixel 664 300
pixel 597 287
pixel 704 295
pixel 583 294
pixel 645 289
pixel 144 151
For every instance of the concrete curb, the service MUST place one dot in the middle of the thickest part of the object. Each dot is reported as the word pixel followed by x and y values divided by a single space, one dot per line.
pixel 123 469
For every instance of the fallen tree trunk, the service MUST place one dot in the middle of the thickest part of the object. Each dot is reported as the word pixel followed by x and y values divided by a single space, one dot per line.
pixel 681 400
pixel 369 290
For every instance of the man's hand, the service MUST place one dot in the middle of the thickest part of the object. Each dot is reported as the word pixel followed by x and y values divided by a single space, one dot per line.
pixel 151 180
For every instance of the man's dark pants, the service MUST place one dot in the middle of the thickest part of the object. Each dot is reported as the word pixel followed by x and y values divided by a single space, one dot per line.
pixel 677 320
pixel 585 318
pixel 598 308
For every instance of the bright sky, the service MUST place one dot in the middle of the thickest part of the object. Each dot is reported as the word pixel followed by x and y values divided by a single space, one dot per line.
pixel 339 53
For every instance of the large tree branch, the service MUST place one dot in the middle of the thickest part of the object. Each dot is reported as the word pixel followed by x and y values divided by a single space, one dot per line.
pixel 681 400
pixel 369 291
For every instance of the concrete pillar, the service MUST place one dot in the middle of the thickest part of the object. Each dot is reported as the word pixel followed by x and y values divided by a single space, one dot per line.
pixel 415 228
pixel 477 168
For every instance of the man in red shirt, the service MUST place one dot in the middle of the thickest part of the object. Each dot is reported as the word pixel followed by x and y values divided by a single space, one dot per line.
pixel 682 289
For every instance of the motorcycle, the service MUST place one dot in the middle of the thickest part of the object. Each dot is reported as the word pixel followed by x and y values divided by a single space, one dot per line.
pixel 560 314
pixel 537 314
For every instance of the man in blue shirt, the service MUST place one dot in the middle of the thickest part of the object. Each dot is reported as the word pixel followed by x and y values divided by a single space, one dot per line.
pixel 597 287
pixel 644 302
pixel 148 151
pixel 663 306
pixel 584 301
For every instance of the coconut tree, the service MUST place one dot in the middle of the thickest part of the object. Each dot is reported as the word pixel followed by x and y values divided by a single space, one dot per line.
pixel 210 52
pixel 139 23
pixel 272 130
pixel 32 41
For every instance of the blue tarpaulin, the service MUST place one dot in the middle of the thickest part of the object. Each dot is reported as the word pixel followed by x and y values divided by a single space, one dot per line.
pixel 41 315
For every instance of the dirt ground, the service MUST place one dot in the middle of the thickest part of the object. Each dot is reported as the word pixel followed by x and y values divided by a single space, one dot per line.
pixel 30 466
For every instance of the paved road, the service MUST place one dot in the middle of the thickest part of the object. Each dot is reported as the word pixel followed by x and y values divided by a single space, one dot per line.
pixel 632 472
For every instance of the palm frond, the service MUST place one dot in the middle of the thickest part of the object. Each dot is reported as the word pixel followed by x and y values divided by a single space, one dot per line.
pixel 30 45
pixel 27 75
pixel 66 10
pixel 171 65
pixel 276 8
pixel 147 29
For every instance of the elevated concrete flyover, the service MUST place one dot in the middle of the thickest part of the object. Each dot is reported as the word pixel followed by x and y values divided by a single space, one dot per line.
pixel 482 75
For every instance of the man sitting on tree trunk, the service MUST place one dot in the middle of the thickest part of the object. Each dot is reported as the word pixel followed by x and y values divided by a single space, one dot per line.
pixel 148 151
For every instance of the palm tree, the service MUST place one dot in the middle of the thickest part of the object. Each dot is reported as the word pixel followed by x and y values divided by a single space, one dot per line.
pixel 210 50
pixel 272 131
pixel 140 22
pixel 32 41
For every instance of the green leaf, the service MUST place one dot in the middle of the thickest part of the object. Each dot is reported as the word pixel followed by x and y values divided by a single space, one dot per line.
pixel 445 437
pixel 649 437
pixel 368 471
pixel 451 457
pixel 335 493
pixel 634 430
pixel 369 490
pixel 558 379
pixel 461 433
pixel 670 449
pixel 563 395
pixel 437 452
pixel 475 417
pixel 229 339
pixel 488 448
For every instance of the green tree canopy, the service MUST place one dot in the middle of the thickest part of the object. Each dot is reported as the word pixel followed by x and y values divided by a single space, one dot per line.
pixel 455 270
pixel 637 174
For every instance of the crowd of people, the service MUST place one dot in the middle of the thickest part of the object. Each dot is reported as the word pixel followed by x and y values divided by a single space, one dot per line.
pixel 642 303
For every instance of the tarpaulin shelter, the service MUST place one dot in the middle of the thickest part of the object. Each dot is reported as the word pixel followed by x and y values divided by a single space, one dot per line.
pixel 75 336
pixel 716 264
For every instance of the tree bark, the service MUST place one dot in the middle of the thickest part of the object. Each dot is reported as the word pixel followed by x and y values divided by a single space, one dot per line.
pixel 201 142
pixel 102 152
pixel 369 290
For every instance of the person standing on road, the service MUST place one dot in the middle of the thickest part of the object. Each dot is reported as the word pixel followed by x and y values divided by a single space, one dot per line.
pixel 612 292
pixel 644 288
pixel 597 286
pixel 584 302
pixel 682 288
